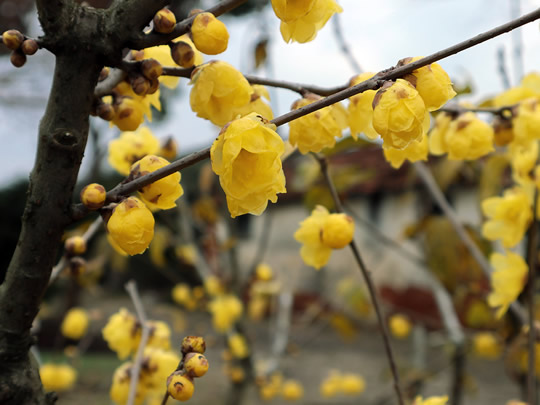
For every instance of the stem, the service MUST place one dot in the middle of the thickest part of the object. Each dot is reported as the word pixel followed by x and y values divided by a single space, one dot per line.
pixel 369 282
pixel 131 288
pixel 532 236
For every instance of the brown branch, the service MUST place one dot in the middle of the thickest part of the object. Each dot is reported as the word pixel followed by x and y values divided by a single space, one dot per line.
pixel 153 39
pixel 369 282
pixel 504 111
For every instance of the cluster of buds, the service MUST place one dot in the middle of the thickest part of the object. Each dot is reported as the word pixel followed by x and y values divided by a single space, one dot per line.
pixel 20 45
pixel 193 365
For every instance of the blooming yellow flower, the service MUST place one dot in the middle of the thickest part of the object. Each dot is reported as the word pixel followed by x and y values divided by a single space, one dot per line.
pixel 57 377
pixel 532 81
pixel 442 400
pixel 352 384
pixel 163 193
pixel 523 158
pixel 486 345
pixel 513 96
pixel 131 108
pixel 238 346
pixel 131 225
pixel 75 323
pixel 437 136
pixel 509 216
pixel 213 286
pixel 526 121
pixel 400 326
pixel 337 231
pixel 413 152
pixel 318 130
pixel 314 252
pixel 160 335
pixel 226 310
pixel 131 147
pixel 119 391
pixel 210 35
pixel 399 114
pixel 158 364
pixel 264 272
pixel 247 158
pixel 122 333
pixel 468 137
pixel 218 90
pixel 432 82
pixel 507 280
pixel 305 28
pixel 181 294
pixel 331 385
pixel 292 390
pixel 361 109
pixel 287 10
pixel 256 104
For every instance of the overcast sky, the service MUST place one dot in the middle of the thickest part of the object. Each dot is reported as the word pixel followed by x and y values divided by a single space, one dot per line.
pixel 379 34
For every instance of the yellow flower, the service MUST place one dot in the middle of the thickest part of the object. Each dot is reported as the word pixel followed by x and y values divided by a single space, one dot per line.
pixel 431 400
pixel 361 109
pixel 131 147
pixel 181 294
pixel 413 152
pixel 432 82
pixel 318 130
pixel 210 35
pixel 400 326
pixel 264 272
pixel 399 114
pixel 93 196
pixel 57 377
pixel 238 346
pixel 256 104
pixel 119 391
pixel 509 216
pixel 218 90
pixel 513 96
pixel 187 253
pixel 287 10
pixel 352 384
pixel 131 108
pixel 292 390
pixel 131 225
pixel 247 158
pixel 468 137
pixel 163 193
pixel 225 310
pixel 523 159
pixel 331 385
pixel 437 136
pixel 160 335
pixel 75 323
pixel 305 28
pixel 213 286
pixel 526 121
pixel 337 231
pixel 486 345
pixel 532 81
pixel 507 280
pixel 158 364
pixel 314 252
pixel 122 333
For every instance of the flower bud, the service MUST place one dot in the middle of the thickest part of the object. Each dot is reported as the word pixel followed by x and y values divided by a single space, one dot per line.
pixel 139 84
pixel 104 73
pixel 105 111
pixel 210 35
pixel 75 323
pixel 164 21
pixel 193 344
pixel 12 39
pixel 183 54
pixel 29 46
pixel 75 246
pixel 93 196
pixel 151 69
pixel 128 114
pixel 18 59
pixel 169 149
pixel 196 364
pixel 180 387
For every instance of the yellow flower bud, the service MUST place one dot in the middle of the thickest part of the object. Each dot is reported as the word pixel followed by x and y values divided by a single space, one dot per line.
pixel 443 400
pixel 75 323
pixel 352 384
pixel 210 35
pixel 256 104
pixel 93 196
pixel 163 193
pixel 180 387
pixel 75 246
pixel 196 364
pixel 58 378
pixel 486 345
pixel 164 21
pixel 317 130
pixel 263 272
pixel 238 346
pixel 225 310
pixel 128 114
pixel 218 90
pixel 399 114
pixel 337 231
pixel 291 10
pixel 131 147
pixel 12 39
pixel 527 121
pixel 400 326
pixel 169 149
pixel 247 158
pixel 361 109
pixel 131 225
pixel 193 344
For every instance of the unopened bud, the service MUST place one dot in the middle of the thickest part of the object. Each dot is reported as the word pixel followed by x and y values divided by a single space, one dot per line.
pixel 164 21
pixel 154 86
pixel 93 195
pixel 137 55
pixel 180 386
pixel 29 46
pixel 182 54
pixel 75 246
pixel 139 84
pixel 151 69
pixel 193 344
pixel 12 39
pixel 105 111
pixel 104 73
pixel 195 364
pixel 18 59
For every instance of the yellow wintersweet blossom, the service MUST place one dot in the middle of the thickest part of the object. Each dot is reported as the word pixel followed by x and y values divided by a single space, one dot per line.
pixel 437 135
pixel 305 28
pixel 213 286
pixel 513 96
pixel 131 225
pixel 442 400
pixel 160 335
pixel 352 384
pixel 400 326
pixel 119 391
pixel 131 147
pixel 432 82
pixel 247 158
pixel 507 280
pixel 210 35
pixel 75 323
pixel 181 294
pixel 287 10
pixel 158 365
pixel 122 333
pixel 226 310
pixel 256 104
pixel 486 345
pixel 337 231
pixel 361 109
pixel 331 385
pixel 163 193
pixel 523 158
pixel 399 114
pixel 292 390
pixel 413 152
pixel 508 216
pixel 526 121
pixel 264 272
pixel 131 108
pixel 218 91
pixel 314 252
pixel 532 81
pixel 318 130
pixel 57 377
pixel 468 138
pixel 238 346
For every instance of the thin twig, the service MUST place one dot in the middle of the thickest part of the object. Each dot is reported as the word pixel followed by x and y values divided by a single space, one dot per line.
pixel 503 111
pixel 427 178
pixel 369 282
pixel 131 288
pixel 532 237
pixel 344 46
